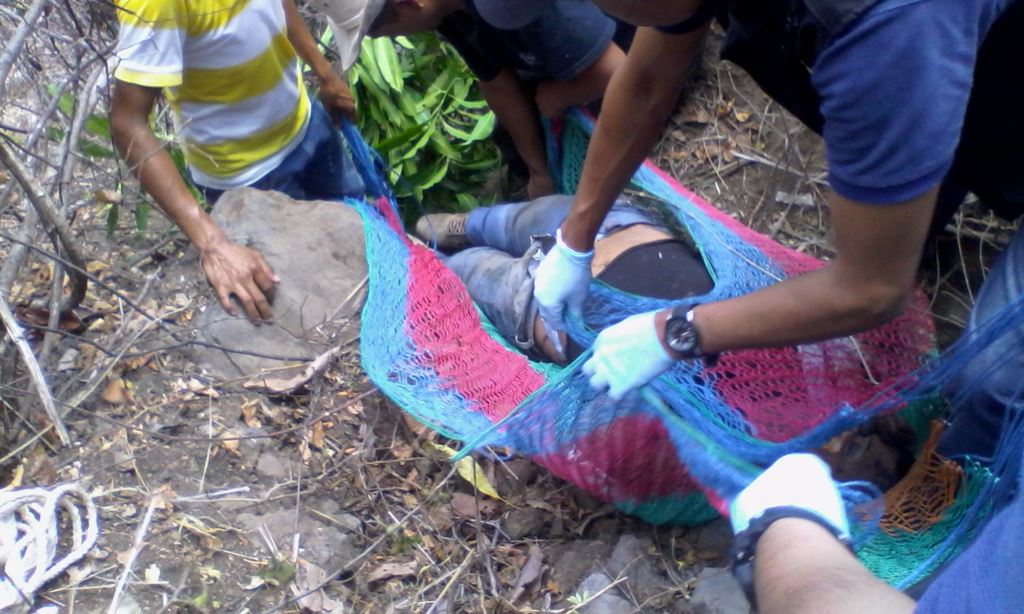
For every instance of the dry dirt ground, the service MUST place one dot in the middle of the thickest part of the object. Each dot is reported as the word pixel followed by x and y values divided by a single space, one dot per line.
pixel 215 498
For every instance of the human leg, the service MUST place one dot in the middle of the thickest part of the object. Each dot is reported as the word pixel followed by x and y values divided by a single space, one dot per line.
pixel 990 385
pixel 509 227
pixel 502 286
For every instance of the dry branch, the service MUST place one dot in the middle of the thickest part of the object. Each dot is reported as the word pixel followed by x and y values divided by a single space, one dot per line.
pixel 38 379
pixel 46 211
pixel 13 48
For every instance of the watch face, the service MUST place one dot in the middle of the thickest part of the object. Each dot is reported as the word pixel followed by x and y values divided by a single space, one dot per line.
pixel 681 336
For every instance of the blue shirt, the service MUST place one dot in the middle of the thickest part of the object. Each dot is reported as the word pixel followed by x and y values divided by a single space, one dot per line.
pixel 986 577
pixel 894 89
pixel 566 39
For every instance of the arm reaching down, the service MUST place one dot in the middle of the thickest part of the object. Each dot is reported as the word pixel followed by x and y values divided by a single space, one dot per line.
pixel 334 92
pixel 514 108
pixel 792 518
pixel 231 269
pixel 640 97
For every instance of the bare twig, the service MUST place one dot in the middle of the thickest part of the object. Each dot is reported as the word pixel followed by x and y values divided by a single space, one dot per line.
pixel 137 546
pixel 46 211
pixel 16 333
pixel 13 48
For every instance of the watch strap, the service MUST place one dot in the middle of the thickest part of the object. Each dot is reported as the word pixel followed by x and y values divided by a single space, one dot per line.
pixel 684 311
pixel 745 543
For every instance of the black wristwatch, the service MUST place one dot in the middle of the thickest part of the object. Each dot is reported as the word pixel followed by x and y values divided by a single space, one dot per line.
pixel 681 335
pixel 745 543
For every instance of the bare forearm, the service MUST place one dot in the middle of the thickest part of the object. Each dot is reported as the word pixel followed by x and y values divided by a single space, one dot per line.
pixel 803 309
pixel 801 568
pixel 639 99
pixel 517 113
pixel 151 163
pixel 302 40
pixel 868 283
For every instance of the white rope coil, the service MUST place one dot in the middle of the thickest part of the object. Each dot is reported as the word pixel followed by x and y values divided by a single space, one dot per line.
pixel 29 538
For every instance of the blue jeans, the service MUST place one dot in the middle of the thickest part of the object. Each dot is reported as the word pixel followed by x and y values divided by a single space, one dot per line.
pixel 499 272
pixel 319 168
pixel 992 383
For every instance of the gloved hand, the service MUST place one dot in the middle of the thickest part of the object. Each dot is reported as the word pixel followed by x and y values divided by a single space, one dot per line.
pixel 560 282
pixel 627 355
pixel 800 481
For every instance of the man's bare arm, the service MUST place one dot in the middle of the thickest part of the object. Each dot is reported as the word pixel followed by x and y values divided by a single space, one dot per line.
pixel 800 568
pixel 334 92
pixel 230 269
pixel 640 97
pixel 878 252
pixel 516 111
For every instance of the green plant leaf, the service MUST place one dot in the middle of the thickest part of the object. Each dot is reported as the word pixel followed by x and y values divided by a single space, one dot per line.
pixel 387 62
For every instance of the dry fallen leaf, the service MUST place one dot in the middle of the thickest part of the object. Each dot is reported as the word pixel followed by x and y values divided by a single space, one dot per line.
pixel 115 392
pixel 317 434
pixel 249 414
pixel 107 197
pixel 466 506
pixel 229 442
pixel 195 386
pixel 468 469
pixel 307 576
pixel 529 573
pixel 163 498
pixel 151 575
pixel 392 570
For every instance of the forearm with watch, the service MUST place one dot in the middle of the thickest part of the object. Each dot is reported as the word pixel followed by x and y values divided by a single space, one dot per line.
pixel 791 551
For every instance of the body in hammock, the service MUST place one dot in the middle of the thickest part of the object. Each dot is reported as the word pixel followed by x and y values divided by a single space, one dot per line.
pixel 506 241
pixel 501 245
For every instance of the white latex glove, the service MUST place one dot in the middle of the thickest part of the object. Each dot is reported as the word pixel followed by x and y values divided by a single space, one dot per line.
pixel 627 355
pixel 560 282
pixel 800 481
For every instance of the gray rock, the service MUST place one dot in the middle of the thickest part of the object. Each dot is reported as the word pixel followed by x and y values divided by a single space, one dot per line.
pixel 609 602
pixel 270 465
pixel 317 249
pixel 715 536
pixel 522 522
pixel 718 592
pixel 324 545
pixel 630 559
pixel 571 561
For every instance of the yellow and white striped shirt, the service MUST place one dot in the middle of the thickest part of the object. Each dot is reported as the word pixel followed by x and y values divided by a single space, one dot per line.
pixel 230 74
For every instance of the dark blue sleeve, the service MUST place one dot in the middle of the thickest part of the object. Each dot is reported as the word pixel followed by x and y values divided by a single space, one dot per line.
pixel 985 577
pixel 894 91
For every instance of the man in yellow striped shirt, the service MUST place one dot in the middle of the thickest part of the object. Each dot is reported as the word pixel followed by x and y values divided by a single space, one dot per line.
pixel 230 70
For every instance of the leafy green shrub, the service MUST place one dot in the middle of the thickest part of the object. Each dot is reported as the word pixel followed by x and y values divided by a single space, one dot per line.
pixel 419 109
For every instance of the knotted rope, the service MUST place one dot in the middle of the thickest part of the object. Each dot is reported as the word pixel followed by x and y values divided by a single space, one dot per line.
pixel 29 538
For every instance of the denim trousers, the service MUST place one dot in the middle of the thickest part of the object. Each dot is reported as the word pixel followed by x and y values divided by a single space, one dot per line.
pixel 319 168
pixel 498 270
pixel 990 388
